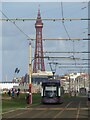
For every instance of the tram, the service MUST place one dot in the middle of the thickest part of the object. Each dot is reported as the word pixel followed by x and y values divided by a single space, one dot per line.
pixel 51 91
pixel 83 91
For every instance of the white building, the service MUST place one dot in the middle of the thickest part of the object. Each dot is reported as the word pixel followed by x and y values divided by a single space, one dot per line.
pixel 75 81
pixel 7 85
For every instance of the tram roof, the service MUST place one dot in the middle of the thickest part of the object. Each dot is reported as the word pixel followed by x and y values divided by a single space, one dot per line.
pixel 51 82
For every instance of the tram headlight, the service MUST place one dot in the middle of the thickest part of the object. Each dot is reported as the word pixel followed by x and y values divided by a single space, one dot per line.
pixel 59 92
pixel 42 92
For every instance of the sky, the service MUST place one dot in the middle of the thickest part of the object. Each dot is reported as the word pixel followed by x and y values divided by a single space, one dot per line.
pixel 14 44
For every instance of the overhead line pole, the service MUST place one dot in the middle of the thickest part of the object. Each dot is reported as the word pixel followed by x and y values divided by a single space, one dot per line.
pixel 30 73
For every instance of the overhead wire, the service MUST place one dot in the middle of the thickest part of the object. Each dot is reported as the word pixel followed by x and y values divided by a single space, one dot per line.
pixel 67 31
pixel 63 21
pixel 15 25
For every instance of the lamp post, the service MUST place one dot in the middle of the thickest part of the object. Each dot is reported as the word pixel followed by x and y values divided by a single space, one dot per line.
pixel 30 74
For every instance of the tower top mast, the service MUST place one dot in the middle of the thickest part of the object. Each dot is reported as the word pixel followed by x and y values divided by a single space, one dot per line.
pixel 39 16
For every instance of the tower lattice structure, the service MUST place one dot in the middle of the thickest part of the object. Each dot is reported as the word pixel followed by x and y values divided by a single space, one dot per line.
pixel 38 56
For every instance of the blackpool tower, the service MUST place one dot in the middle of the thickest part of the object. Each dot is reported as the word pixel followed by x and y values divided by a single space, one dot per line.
pixel 38 56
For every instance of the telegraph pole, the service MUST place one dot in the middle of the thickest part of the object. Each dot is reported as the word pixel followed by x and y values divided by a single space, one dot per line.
pixel 30 73
pixel 69 85
pixel 89 81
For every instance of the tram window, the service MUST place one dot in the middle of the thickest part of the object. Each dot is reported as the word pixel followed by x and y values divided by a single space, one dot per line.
pixel 50 93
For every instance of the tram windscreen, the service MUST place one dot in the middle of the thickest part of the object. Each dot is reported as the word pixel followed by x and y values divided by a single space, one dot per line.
pixel 50 91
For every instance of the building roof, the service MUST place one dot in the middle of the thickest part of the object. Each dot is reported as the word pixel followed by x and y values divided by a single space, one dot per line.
pixel 42 73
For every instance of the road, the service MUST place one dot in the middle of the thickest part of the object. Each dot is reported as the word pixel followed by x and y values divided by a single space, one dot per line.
pixel 70 108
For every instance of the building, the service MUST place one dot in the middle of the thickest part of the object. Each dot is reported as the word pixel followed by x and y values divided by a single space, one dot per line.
pixel 7 85
pixel 40 76
pixel 74 82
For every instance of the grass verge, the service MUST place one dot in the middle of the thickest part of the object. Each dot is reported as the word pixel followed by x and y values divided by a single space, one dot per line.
pixel 9 103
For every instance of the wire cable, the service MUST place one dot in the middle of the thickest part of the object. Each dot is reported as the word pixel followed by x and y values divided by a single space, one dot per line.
pixel 63 21
pixel 15 25
pixel 67 31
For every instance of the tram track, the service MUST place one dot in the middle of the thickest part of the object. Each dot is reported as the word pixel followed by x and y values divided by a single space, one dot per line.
pixel 75 108
pixel 58 114
pixel 78 111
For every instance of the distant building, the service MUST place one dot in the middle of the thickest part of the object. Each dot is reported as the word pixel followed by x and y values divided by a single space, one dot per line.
pixel 7 85
pixel 41 76
pixel 75 81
